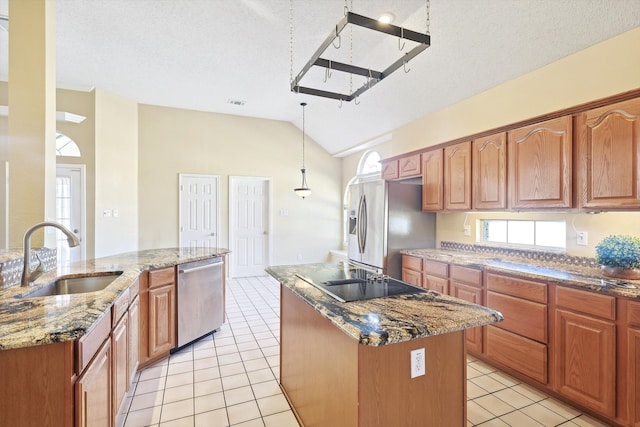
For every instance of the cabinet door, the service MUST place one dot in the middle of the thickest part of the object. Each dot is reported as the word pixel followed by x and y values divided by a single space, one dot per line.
pixel 473 336
pixel 133 358
pixel 119 343
pixel 412 276
pixel 457 176
pixel 489 169
pixel 540 165
pixel 633 340
pixel 410 166
pixel 162 320
pixel 93 391
pixel 437 284
pixel 609 155
pixel 585 360
pixel 390 169
pixel 432 181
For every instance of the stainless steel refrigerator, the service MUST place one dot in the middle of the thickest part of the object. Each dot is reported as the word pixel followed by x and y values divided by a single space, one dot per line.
pixel 384 218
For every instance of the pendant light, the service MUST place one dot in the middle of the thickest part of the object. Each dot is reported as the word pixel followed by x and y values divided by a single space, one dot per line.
pixel 304 190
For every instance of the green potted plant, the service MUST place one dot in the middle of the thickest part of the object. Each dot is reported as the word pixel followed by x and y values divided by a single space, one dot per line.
pixel 619 256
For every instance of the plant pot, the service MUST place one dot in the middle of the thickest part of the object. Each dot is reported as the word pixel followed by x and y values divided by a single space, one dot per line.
pixel 621 273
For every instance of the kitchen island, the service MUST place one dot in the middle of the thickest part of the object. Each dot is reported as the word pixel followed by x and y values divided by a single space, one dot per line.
pixel 349 363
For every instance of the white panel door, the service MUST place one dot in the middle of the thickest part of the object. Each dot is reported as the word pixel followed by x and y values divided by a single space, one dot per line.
pixel 70 211
pixel 198 211
pixel 249 215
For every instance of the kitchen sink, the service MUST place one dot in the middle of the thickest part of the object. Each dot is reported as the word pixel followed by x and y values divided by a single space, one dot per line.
pixel 75 285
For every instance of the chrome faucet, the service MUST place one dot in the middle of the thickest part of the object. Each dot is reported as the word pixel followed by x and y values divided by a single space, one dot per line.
pixel 29 275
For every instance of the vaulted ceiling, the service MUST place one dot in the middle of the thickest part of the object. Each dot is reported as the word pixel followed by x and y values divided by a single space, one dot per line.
pixel 208 54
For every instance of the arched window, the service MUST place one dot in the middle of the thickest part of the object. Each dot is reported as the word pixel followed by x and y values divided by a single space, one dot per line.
pixel 369 163
pixel 66 146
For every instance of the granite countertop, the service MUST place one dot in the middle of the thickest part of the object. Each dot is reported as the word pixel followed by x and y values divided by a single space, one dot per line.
pixel 387 320
pixel 562 274
pixel 27 322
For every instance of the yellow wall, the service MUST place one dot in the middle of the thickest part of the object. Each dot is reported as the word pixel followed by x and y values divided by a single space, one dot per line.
pixel 116 174
pixel 604 69
pixel 173 141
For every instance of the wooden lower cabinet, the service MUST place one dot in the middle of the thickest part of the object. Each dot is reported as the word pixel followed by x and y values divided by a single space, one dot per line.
pixel 411 276
pixel 120 346
pixel 133 359
pixel 633 360
pixel 522 354
pixel 162 320
pixel 437 284
pixel 93 391
pixel 585 369
pixel 157 315
pixel 473 336
pixel 412 270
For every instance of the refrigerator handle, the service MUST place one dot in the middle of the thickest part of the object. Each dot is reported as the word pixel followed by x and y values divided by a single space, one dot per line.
pixel 359 226
pixel 363 224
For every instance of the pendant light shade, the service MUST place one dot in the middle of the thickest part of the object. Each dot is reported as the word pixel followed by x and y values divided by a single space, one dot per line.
pixel 304 190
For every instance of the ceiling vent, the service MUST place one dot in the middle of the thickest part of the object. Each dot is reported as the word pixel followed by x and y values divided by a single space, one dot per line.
pixel 237 102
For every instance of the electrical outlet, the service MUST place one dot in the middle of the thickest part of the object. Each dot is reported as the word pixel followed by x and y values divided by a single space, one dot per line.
pixel 299 257
pixel 467 230
pixel 417 363
pixel 582 238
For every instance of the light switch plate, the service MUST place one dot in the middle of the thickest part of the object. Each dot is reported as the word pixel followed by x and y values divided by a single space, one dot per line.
pixel 582 238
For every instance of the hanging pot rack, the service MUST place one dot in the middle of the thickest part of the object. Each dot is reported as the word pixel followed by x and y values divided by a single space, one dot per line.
pixel 373 76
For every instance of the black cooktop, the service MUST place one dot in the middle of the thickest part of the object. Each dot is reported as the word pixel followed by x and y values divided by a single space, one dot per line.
pixel 355 284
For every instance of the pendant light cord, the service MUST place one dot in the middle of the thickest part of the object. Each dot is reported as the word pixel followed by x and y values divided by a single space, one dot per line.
pixel 304 104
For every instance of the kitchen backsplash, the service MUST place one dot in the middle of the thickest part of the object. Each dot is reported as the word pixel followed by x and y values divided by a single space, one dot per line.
pixel 11 269
pixel 532 255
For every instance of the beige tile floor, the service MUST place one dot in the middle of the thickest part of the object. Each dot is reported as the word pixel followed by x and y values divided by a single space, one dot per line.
pixel 230 378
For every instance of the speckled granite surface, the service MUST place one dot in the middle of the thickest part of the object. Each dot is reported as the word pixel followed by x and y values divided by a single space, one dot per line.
pixel 33 321
pixel 563 274
pixel 387 320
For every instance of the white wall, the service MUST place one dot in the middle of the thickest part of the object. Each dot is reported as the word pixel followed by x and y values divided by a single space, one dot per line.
pixel 173 141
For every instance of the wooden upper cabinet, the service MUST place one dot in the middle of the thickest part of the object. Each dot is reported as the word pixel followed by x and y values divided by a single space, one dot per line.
pixel 540 159
pixel 489 166
pixel 457 176
pixel 390 169
pixel 410 166
pixel 432 180
pixel 608 149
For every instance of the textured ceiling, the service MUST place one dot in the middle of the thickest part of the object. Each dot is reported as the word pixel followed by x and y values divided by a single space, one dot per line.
pixel 199 54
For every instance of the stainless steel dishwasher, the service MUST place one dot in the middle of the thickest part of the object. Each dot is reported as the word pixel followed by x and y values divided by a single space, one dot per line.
pixel 200 299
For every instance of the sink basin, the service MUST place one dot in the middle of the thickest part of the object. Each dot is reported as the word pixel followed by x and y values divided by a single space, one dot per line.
pixel 76 285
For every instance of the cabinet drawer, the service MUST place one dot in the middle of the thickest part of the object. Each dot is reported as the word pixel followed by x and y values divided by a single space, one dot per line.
pixel 410 166
pixel 586 302
pixel 412 263
pixel 436 268
pixel 411 276
pixel 521 354
pixel 134 289
pixel 88 345
pixel 120 306
pixel 633 313
pixel 532 291
pixel 161 277
pixel 523 317
pixel 470 276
